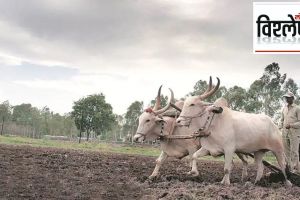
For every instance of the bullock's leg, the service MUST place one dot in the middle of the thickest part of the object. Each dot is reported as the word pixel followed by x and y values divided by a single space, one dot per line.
pixel 282 164
pixel 191 153
pixel 191 161
pixel 258 156
pixel 201 152
pixel 245 166
pixel 227 168
pixel 162 157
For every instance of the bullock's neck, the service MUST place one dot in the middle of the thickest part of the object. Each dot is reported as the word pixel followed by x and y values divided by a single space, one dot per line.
pixel 169 125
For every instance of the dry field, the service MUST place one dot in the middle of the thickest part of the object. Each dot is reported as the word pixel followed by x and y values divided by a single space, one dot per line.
pixel 48 173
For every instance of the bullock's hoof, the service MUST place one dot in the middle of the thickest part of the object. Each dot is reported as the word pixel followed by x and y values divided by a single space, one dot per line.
pixel 151 178
pixel 288 183
pixel 248 184
pixel 225 182
pixel 258 181
pixel 244 177
pixel 193 173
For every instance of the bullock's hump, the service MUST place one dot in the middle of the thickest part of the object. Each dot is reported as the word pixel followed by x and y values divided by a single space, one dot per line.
pixel 179 104
pixel 221 102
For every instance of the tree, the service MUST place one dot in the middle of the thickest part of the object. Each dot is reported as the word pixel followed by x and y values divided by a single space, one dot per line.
pixel 291 85
pixel 200 87
pixel 163 101
pixel 131 117
pixel 22 114
pixel 254 95
pixel 69 124
pixel 5 114
pixel 115 133
pixel 236 97
pixel 265 93
pixel 46 115
pixel 36 121
pixel 27 119
pixel 92 113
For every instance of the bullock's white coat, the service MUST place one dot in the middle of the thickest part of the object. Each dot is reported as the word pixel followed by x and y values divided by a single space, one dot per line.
pixel 233 131
pixel 150 128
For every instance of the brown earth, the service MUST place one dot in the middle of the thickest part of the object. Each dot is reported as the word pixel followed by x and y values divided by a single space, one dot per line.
pixel 44 173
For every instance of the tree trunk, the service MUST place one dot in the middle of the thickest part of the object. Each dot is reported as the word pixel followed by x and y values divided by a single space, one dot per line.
pixel 80 135
pixel 2 125
pixel 132 128
pixel 87 135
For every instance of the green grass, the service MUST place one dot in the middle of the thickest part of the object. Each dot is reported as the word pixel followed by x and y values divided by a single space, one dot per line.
pixel 91 146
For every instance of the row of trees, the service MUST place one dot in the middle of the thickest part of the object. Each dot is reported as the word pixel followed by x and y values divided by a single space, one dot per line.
pixel 93 117
pixel 26 120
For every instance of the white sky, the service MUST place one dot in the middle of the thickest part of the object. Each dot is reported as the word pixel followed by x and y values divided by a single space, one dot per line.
pixel 53 52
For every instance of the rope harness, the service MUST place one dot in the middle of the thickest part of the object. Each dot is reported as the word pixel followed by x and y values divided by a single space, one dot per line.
pixel 201 132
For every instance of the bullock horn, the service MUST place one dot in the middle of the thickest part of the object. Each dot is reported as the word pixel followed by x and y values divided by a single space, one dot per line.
pixel 167 106
pixel 212 91
pixel 209 86
pixel 174 106
pixel 158 100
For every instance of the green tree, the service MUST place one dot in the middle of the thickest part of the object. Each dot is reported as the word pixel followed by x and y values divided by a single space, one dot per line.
pixel 236 97
pixel 265 93
pixel 69 125
pixel 131 117
pixel 22 114
pixel 163 99
pixel 92 113
pixel 291 85
pixel 254 98
pixel 200 87
pixel 5 114
pixel 115 134
pixel 36 122
pixel 45 116
pixel 56 124
pixel 28 119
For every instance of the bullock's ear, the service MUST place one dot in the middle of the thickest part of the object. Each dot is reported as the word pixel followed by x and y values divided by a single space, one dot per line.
pixel 158 120
pixel 218 110
pixel 215 109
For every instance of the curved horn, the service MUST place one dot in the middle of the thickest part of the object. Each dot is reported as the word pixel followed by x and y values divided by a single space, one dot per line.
pixel 208 87
pixel 167 106
pixel 212 91
pixel 158 100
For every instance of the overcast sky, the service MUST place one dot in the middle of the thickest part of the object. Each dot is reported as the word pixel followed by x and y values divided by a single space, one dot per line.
pixel 53 52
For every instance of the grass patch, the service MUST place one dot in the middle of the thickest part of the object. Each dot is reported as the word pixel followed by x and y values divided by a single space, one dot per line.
pixel 92 146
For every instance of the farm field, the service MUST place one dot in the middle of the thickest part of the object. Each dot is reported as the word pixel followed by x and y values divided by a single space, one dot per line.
pixel 51 173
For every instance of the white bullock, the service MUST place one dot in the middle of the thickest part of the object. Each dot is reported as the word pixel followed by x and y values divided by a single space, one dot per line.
pixel 228 132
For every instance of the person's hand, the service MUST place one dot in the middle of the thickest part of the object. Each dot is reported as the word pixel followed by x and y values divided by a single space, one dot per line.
pixel 288 126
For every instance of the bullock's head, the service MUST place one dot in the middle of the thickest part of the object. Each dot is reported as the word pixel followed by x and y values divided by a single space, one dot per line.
pixel 195 108
pixel 150 121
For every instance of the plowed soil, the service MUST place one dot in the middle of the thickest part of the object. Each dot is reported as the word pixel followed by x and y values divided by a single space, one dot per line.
pixel 44 173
